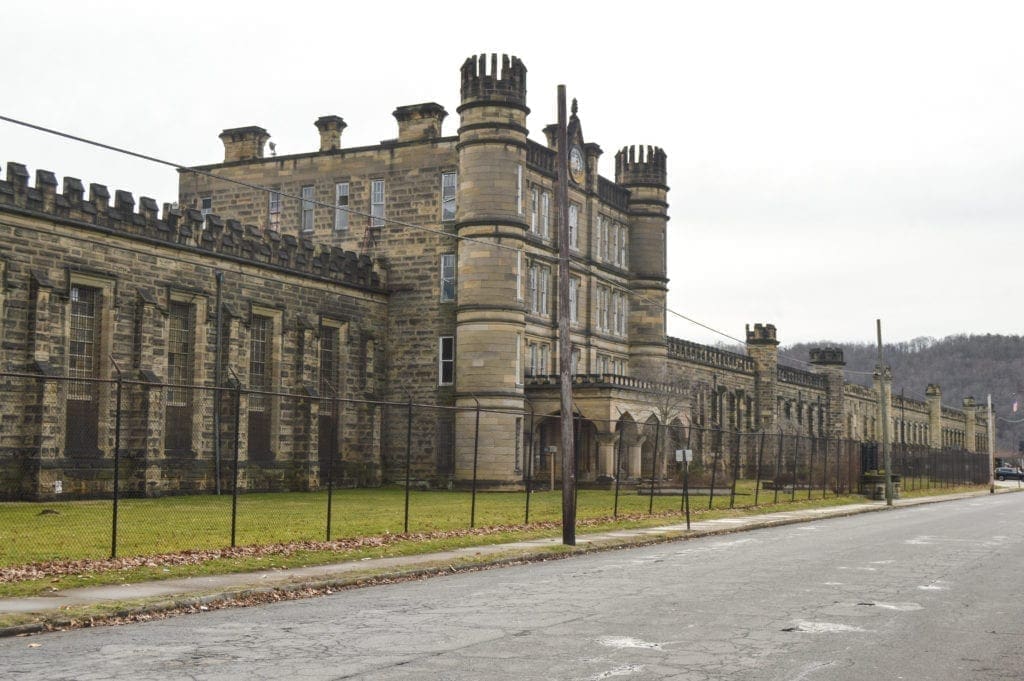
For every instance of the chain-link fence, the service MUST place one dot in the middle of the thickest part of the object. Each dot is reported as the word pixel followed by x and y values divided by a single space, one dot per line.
pixel 92 468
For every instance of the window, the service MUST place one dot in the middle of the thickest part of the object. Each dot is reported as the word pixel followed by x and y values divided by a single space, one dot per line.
pixel 307 208
pixel 448 185
pixel 180 368
pixel 377 203
pixel 534 210
pixel 574 226
pixel 603 301
pixel 519 189
pixel 519 358
pixel 574 299
pixel 447 277
pixel 206 205
pixel 543 361
pixel 341 201
pixel 446 360
pixel 575 366
pixel 545 215
pixel 260 358
pixel 327 419
pixel 519 275
pixel 602 239
pixel 619 313
pixel 328 360
pixel 623 261
pixel 83 409
pixel 274 211
pixel 531 359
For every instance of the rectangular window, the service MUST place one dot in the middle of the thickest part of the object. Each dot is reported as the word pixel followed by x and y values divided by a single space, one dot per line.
pixel 447 277
pixel 616 311
pixel 533 289
pixel 603 297
pixel 377 203
pixel 206 205
pixel 519 189
pixel 534 209
pixel 543 278
pixel 260 346
pixel 82 430
pixel 274 211
pixel 448 185
pixel 446 360
pixel 574 300
pixel 623 261
pixel 531 361
pixel 545 215
pixel 307 208
pixel 544 361
pixel 574 226
pixel 328 361
pixel 341 201
pixel 180 367
pixel 519 275
pixel 519 358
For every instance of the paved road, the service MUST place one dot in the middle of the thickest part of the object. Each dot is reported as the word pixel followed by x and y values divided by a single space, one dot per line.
pixel 916 593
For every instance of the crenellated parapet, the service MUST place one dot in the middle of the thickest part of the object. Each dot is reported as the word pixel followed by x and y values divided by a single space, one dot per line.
pixel 641 165
pixel 503 81
pixel 182 228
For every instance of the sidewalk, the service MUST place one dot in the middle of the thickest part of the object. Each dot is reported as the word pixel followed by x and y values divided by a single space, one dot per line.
pixel 50 611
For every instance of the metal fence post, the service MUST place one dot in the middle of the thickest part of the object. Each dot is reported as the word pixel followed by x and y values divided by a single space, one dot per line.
pixel 757 474
pixel 654 464
pixel 476 451
pixel 238 439
pixel 778 466
pixel 735 471
pixel 408 459
pixel 529 464
pixel 117 461
pixel 796 457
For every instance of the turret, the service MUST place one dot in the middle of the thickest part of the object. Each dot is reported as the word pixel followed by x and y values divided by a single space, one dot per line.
pixel 829 361
pixel 490 316
pixel 763 348
pixel 642 170
pixel 970 424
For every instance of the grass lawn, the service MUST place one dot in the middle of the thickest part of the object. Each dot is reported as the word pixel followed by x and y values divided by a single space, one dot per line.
pixel 67 531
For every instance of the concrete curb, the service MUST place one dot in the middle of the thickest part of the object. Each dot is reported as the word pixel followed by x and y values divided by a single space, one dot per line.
pixel 432 565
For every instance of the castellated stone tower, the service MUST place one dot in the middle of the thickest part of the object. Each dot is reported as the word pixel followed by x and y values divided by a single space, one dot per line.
pixel 933 398
pixel 490 319
pixel 829 361
pixel 763 348
pixel 643 171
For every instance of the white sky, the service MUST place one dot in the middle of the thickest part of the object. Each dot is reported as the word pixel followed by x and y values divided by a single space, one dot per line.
pixel 830 163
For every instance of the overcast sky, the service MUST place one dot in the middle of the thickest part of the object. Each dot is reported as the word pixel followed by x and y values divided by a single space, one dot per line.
pixel 830 163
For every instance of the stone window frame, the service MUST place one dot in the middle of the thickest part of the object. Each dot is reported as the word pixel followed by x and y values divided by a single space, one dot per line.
pixel 446 360
pixel 341 329
pixel 341 211
pixel 534 210
pixel 574 226
pixel 274 209
pixel 446 199
pixel 104 395
pixel 575 289
pixel 545 215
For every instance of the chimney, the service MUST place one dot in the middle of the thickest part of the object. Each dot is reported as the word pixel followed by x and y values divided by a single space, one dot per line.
pixel 419 121
pixel 244 144
pixel 330 128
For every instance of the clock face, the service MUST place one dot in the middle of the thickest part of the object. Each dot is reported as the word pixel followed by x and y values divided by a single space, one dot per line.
pixel 576 166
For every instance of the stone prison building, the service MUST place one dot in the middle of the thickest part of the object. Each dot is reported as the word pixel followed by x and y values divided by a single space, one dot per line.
pixel 420 269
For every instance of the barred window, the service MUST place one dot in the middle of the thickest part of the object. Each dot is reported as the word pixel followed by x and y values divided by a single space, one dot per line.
pixel 328 360
pixel 446 360
pixel 259 360
pixel 83 348
pixel 447 277
pixel 180 352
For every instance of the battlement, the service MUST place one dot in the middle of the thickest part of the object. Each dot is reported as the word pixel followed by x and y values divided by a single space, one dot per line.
pixel 480 84
pixel 181 228
pixel 827 356
pixel 641 165
pixel 761 334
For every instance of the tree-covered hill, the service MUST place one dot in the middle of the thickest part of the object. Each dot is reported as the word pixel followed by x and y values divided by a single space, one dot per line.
pixel 974 365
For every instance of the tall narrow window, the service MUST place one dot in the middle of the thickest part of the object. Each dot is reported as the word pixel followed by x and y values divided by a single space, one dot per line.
pixel 341 201
pixel 574 226
pixel 328 360
pixel 446 360
pixel 260 344
pixel 534 210
pixel 274 211
pixel 603 296
pixel 519 275
pixel 307 208
pixel 82 432
pixel 574 299
pixel 519 358
pixel 575 365
pixel 447 277
pixel 623 260
pixel 180 367
pixel 543 278
pixel 531 362
pixel 448 185
pixel 544 362
pixel 377 203
pixel 532 291
pixel 545 215
pixel 519 189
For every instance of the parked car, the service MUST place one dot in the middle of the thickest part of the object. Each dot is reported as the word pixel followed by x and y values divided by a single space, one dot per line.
pixel 1008 473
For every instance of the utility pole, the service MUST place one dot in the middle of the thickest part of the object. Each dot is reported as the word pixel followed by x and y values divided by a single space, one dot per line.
pixel 991 448
pixel 564 341
pixel 884 377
